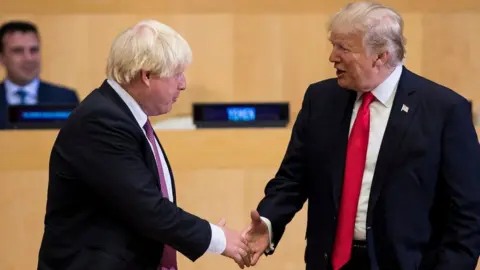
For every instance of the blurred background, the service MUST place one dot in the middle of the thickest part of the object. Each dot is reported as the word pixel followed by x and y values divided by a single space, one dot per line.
pixel 243 51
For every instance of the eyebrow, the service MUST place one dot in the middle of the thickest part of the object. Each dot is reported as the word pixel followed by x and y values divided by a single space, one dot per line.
pixel 16 47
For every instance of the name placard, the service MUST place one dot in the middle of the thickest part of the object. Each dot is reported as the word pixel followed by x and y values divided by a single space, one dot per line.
pixel 228 115
pixel 38 116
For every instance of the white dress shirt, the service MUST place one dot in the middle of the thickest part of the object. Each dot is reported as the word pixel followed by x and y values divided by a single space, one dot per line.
pixel 379 114
pixel 218 242
pixel 31 91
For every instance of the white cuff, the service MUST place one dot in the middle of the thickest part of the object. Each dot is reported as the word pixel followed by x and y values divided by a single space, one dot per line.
pixel 218 243
pixel 269 226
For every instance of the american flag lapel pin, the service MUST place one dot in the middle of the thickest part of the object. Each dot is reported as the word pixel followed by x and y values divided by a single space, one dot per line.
pixel 404 108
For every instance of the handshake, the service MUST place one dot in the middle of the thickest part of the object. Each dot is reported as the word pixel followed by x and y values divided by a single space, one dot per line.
pixel 246 248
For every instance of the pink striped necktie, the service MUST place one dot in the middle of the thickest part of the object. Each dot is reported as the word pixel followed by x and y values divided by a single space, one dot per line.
pixel 169 257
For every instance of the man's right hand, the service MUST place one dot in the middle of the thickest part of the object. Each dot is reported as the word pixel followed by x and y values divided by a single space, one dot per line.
pixel 237 246
pixel 257 236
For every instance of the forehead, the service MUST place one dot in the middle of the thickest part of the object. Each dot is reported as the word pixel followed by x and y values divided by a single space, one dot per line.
pixel 16 39
pixel 352 39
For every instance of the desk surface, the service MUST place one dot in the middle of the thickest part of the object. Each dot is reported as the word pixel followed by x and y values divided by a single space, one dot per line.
pixel 210 166
pixel 30 150
pixel 231 166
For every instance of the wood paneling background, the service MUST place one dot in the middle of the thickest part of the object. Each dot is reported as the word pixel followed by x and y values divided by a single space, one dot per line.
pixel 218 173
pixel 244 50
pixel 248 50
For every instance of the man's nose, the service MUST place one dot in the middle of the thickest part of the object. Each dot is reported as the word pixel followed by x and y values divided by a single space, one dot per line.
pixel 182 84
pixel 333 56
pixel 28 55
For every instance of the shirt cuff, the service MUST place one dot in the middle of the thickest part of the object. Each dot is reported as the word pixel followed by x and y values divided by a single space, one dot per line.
pixel 218 243
pixel 269 226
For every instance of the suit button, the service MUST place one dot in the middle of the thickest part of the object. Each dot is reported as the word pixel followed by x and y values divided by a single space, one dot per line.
pixel 325 256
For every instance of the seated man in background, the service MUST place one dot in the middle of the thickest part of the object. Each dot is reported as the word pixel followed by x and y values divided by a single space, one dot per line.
pixel 20 55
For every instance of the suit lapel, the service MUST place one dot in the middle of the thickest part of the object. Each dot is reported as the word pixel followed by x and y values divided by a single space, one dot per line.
pixel 151 162
pixel 108 91
pixel 3 95
pixel 3 106
pixel 345 104
pixel 169 169
pixel 42 93
pixel 403 110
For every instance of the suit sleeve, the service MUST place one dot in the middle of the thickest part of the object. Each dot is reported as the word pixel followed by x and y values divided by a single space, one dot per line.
pixel 285 194
pixel 460 161
pixel 108 159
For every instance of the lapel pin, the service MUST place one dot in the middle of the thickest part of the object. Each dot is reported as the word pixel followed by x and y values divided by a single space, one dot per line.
pixel 404 108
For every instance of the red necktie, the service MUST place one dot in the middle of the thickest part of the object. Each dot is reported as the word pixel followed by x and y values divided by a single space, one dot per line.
pixel 354 168
pixel 169 257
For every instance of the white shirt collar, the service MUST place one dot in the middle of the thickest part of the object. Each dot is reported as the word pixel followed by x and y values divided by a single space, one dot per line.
pixel 31 88
pixel 383 92
pixel 134 107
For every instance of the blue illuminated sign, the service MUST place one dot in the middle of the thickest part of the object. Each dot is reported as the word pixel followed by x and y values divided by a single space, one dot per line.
pixel 241 114
pixel 59 115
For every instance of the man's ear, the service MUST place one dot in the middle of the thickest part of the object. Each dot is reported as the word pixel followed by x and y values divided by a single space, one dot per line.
pixel 145 76
pixel 382 59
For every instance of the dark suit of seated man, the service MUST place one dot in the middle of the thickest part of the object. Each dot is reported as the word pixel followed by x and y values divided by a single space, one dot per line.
pixel 20 55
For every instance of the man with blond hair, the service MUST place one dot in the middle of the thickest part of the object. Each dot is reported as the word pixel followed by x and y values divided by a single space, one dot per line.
pixel 388 160
pixel 111 195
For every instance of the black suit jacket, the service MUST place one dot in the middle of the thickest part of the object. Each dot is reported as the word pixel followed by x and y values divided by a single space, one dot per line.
pixel 424 206
pixel 47 94
pixel 105 210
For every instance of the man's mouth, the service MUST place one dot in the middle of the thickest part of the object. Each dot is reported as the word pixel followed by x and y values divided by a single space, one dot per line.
pixel 29 68
pixel 340 72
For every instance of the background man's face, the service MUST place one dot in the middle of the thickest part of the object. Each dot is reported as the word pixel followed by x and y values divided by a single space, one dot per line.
pixel 21 56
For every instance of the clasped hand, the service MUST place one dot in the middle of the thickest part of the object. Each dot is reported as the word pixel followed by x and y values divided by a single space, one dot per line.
pixel 246 248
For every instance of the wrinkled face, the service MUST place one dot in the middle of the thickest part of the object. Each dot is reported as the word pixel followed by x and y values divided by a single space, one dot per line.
pixel 21 56
pixel 356 69
pixel 162 92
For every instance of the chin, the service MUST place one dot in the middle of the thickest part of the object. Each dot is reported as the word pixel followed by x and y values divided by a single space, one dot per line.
pixel 165 109
pixel 342 82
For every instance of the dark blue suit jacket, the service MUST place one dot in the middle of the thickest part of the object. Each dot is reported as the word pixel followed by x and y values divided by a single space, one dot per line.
pixel 424 207
pixel 47 94
pixel 104 206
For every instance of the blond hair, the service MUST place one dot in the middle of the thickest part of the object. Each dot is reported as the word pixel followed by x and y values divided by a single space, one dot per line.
pixel 149 46
pixel 381 27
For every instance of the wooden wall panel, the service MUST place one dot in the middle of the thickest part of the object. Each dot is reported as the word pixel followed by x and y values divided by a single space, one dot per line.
pixel 215 6
pixel 211 76
pixel 253 57
pixel 22 211
pixel 217 174
pixel 244 50
pixel 451 51
pixel 415 35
